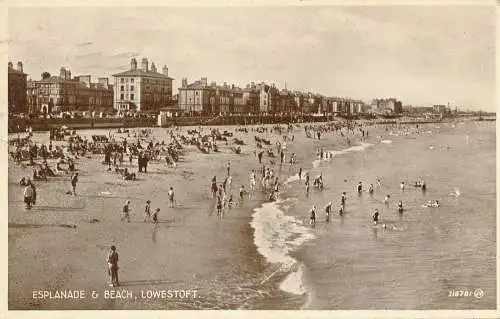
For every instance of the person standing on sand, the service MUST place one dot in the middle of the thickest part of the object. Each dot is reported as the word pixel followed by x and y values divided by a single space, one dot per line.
pixel 126 212
pixel 228 168
pixel 219 206
pixel 113 267
pixel 171 197
pixel 147 211
pixel 28 195
pixel 74 180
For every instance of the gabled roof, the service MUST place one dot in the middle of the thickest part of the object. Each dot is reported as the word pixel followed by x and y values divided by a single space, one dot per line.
pixel 140 72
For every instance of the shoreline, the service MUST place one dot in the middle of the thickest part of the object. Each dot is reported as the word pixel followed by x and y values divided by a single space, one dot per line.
pixel 88 124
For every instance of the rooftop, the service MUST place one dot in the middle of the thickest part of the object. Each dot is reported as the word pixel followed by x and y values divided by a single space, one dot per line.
pixel 14 71
pixel 142 73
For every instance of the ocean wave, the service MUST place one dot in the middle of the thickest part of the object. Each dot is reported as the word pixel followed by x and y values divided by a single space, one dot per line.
pixel 386 141
pixel 276 235
pixel 293 282
pixel 329 154
pixel 356 148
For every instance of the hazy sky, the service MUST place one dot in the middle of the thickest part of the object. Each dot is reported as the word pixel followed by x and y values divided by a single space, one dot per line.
pixel 422 55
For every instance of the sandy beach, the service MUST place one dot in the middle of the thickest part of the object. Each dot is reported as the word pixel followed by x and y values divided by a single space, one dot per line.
pixel 190 249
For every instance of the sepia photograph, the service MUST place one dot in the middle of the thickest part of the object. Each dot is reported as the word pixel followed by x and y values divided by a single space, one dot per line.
pixel 287 157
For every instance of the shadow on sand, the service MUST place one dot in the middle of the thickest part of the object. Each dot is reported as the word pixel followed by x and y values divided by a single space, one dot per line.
pixel 55 208
pixel 147 282
pixel 14 225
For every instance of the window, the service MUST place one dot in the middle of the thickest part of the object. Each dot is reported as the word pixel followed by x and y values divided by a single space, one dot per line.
pixel 122 80
pixel 196 92
pixel 131 80
pixel 131 88
pixel 121 96
pixel 131 96
pixel 121 88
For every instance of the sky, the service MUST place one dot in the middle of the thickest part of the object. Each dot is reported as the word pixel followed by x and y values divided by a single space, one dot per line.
pixel 422 55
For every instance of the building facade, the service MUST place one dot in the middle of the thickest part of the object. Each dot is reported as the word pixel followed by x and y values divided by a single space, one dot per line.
pixel 196 97
pixel 387 105
pixel 16 89
pixel 142 89
pixel 64 93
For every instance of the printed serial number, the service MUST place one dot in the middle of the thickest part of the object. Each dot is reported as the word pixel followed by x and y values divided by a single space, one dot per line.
pixel 478 293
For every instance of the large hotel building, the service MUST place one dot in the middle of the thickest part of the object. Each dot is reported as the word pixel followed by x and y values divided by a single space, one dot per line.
pixel 142 89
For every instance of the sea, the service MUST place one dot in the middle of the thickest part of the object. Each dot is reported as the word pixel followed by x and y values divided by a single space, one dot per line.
pixel 424 258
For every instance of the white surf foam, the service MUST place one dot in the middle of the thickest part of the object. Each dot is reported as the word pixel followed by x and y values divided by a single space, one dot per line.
pixel 293 282
pixel 386 141
pixel 356 148
pixel 276 235
pixel 456 192
pixel 295 178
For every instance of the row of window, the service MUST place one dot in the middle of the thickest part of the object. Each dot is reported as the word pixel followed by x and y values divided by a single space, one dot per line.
pixel 122 88
pixel 145 80
pixel 154 89
pixel 122 96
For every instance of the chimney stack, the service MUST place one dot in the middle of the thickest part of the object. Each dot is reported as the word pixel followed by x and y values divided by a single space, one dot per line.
pixel 133 64
pixel 165 70
pixel 204 82
pixel 20 66
pixel 184 82
pixel 104 82
pixel 145 64
pixel 62 73
pixel 153 67
pixel 10 65
pixel 85 79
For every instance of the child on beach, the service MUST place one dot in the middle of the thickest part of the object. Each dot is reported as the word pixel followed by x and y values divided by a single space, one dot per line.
pixel 171 197
pixel 155 216
pixel 242 192
pixel 74 180
pixel 313 216
pixel 147 211
pixel 219 207
pixel 386 200
pixel 252 181
pixel 126 212
pixel 328 210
